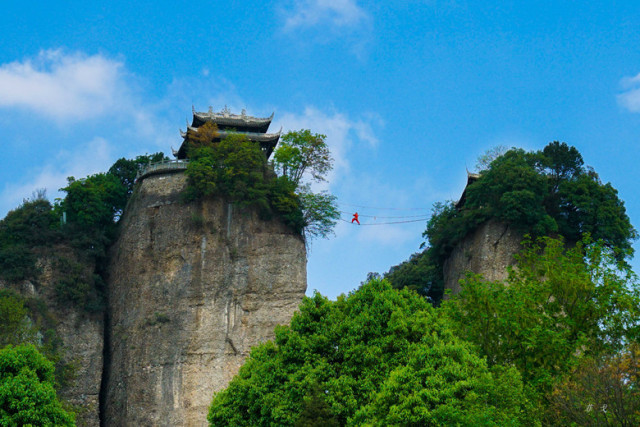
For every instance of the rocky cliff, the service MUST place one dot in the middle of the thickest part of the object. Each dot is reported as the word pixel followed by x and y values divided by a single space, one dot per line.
pixel 488 250
pixel 191 288
pixel 75 335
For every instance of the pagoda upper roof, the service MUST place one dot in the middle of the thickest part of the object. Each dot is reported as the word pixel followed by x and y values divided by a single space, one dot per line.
pixel 227 120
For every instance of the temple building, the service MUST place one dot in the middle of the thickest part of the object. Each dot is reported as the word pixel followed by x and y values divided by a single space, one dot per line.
pixel 254 128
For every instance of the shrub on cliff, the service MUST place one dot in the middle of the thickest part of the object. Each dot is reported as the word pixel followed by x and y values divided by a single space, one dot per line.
pixel 377 356
pixel 15 326
pixel 30 225
pixel 303 157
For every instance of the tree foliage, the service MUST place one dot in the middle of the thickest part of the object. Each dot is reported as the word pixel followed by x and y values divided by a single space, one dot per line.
pixel 550 191
pixel 546 192
pixel 600 391
pixel 15 326
pixel 126 170
pixel 378 357
pixel 236 168
pixel 320 212
pixel 30 225
pixel 94 201
pixel 27 394
pixel 302 152
pixel 556 307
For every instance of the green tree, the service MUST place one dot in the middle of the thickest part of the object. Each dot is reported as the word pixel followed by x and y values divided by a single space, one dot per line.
pixel 94 202
pixel 319 211
pixel 237 169
pixel 302 152
pixel 126 170
pixel 315 410
pixel 299 154
pixel 31 225
pixel 377 356
pixel 600 391
pixel 555 307
pixel 418 273
pixel 546 192
pixel 27 394
pixel 234 168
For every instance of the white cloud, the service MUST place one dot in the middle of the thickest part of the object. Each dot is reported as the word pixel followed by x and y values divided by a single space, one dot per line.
pixel 630 98
pixel 90 158
pixel 63 86
pixel 341 131
pixel 336 13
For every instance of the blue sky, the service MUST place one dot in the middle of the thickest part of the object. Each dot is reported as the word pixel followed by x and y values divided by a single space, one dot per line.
pixel 409 94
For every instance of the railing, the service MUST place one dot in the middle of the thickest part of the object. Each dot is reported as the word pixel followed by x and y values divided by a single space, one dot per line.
pixel 162 167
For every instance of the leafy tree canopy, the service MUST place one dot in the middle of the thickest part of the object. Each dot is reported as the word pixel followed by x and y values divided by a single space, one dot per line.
pixel 550 191
pixel 378 357
pixel 302 152
pixel 27 394
pixel 557 307
pixel 237 169
pixel 15 327
pixel 126 170
pixel 30 225
pixel 546 192
pixel 600 391
pixel 94 201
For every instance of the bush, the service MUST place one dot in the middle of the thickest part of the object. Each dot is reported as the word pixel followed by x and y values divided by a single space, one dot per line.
pixel 27 394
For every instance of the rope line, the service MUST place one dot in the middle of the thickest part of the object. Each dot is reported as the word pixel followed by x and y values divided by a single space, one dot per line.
pixel 387 209
pixel 385 223
pixel 387 217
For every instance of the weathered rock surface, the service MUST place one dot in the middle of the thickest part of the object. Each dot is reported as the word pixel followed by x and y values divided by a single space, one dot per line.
pixel 192 287
pixel 80 333
pixel 489 250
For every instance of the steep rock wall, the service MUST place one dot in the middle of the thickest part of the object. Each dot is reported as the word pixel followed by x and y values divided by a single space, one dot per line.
pixel 192 287
pixel 488 250
pixel 80 335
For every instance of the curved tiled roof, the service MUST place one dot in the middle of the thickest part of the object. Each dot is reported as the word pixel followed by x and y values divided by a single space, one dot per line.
pixel 225 119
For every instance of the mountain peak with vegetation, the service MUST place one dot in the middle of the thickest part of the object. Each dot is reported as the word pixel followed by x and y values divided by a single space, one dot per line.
pixel 541 193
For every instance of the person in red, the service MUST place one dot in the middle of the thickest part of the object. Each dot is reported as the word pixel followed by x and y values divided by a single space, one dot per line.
pixel 355 218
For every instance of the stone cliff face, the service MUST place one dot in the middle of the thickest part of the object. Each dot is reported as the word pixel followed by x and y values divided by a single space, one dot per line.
pixel 488 250
pixel 80 336
pixel 191 288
